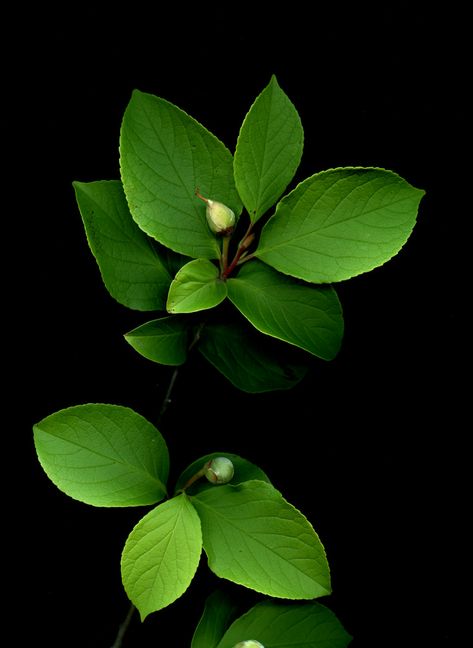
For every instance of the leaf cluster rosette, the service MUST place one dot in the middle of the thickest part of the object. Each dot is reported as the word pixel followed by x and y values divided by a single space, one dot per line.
pixel 257 301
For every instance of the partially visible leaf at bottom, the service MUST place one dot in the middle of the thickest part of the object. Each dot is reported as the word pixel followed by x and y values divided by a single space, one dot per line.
pixel 161 555
pixel 287 625
pixel 219 612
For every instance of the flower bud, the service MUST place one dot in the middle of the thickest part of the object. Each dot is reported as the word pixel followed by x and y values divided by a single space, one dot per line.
pixel 219 470
pixel 221 219
pixel 250 643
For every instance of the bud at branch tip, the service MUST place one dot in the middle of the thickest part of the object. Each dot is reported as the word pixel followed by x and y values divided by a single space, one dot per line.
pixel 220 218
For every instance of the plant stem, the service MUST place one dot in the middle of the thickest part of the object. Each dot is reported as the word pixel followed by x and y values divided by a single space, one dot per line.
pixel 124 627
pixel 167 398
pixel 225 245
pixel 242 247
pixel 200 473
pixel 165 404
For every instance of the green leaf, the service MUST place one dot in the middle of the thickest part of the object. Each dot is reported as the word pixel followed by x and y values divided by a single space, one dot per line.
pixel 162 340
pixel 268 150
pixel 293 625
pixel 219 612
pixel 197 286
pixel 244 471
pixel 104 455
pixel 161 555
pixel 251 362
pixel 131 269
pixel 164 156
pixel 310 317
pixel 253 537
pixel 340 223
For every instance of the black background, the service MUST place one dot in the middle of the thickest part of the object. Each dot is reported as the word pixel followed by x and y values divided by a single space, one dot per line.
pixel 370 447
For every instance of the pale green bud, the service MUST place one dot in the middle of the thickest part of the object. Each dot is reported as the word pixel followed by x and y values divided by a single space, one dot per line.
pixel 220 470
pixel 250 643
pixel 221 219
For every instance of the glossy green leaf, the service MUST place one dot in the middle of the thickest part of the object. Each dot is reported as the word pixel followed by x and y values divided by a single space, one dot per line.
pixel 251 362
pixel 293 625
pixel 104 455
pixel 219 612
pixel 253 537
pixel 131 269
pixel 244 471
pixel 165 155
pixel 161 555
pixel 310 317
pixel 162 340
pixel 340 223
pixel 197 286
pixel 268 150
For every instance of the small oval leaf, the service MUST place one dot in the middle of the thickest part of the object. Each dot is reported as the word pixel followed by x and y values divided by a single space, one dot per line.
pixel 162 340
pixel 104 455
pixel 197 286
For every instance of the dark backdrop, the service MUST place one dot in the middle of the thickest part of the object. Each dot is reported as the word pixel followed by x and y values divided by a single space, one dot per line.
pixel 369 446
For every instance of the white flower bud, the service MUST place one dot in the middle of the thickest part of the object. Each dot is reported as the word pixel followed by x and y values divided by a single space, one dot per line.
pixel 220 470
pixel 250 643
pixel 221 219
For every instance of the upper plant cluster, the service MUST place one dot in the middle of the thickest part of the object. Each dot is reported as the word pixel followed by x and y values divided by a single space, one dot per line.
pixel 158 249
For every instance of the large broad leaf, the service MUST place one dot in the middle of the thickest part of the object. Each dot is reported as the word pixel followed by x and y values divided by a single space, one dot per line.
pixel 251 362
pixel 165 155
pixel 104 455
pixel 268 150
pixel 219 612
pixel 244 471
pixel 340 223
pixel 131 269
pixel 162 340
pixel 253 537
pixel 294 625
pixel 161 555
pixel 309 317
pixel 197 286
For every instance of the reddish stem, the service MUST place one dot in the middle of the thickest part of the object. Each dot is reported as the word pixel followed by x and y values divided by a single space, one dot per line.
pixel 242 247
